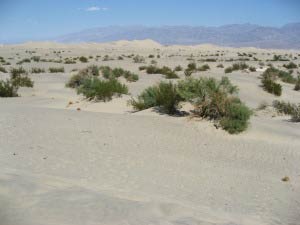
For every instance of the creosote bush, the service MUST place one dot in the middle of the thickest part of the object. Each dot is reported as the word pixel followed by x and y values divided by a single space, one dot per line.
pixel 83 59
pixel 37 70
pixel 212 99
pixel 19 77
pixel 297 84
pixel 2 69
pixel 168 72
pixel 268 81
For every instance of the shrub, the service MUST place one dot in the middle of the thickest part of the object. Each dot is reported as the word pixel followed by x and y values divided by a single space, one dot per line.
pixel 36 58
pixel 83 59
pixel 214 100
pixel 252 69
pixel 169 73
pixel 56 69
pixel 178 68
pixel 138 59
pixel 7 89
pixel 164 95
pixel 109 73
pixel 188 72
pixel 151 56
pixel 146 99
pixel 17 71
pixel 228 70
pixel 142 68
pixel 192 66
pixel 204 67
pixel 24 61
pixel 104 90
pixel 220 66
pixel 37 70
pixel 289 109
pixel 297 84
pixel 291 65
pixel 269 84
pixel 69 61
pixel 2 69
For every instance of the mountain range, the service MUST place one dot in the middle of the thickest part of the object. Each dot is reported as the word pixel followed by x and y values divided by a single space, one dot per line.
pixel 234 35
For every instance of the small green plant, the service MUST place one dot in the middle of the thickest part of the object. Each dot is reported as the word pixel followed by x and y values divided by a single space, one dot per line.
pixel 228 70
pixel 252 69
pixel 289 109
pixel 204 67
pixel 268 81
pixel 297 84
pixel 178 68
pixel 168 72
pixel 290 65
pixel 56 69
pixel 36 58
pixel 220 66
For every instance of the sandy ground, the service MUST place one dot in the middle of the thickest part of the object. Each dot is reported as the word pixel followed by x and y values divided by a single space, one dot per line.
pixel 105 164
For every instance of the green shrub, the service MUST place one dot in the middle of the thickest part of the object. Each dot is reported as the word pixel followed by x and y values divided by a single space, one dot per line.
pixel 69 61
pixel 228 70
pixel 83 59
pixel 142 68
pixel 2 69
pixel 104 90
pixel 37 70
pixel 192 66
pixel 7 89
pixel 17 71
pixel 24 61
pixel 188 72
pixel 291 65
pixel 146 99
pixel 168 72
pixel 56 69
pixel 268 79
pixel 164 95
pixel 236 117
pixel 220 66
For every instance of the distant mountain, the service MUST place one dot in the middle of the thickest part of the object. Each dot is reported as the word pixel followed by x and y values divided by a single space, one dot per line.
pixel 235 35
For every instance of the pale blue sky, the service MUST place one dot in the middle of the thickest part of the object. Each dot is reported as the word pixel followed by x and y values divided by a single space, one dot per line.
pixel 36 19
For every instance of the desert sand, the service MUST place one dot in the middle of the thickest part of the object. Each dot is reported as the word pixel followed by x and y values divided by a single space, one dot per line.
pixel 106 164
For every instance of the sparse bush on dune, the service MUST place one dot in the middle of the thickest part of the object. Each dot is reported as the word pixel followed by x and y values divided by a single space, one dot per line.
pixel 19 77
pixel 36 58
pixel 164 95
pixel 168 72
pixel 212 99
pixel 7 89
pixel 188 72
pixel 268 80
pixel 37 70
pixel 103 90
pixel 228 70
pixel 290 65
pixel 204 67
pixel 56 69
pixel 83 59
pixel 69 61
pixel 109 73
pixel 297 84
pixel 288 109
pixel 142 68
pixel 220 66
pixel 138 59
pixel 236 67
pixel 24 61
pixel 252 69
pixel 2 69
pixel 178 68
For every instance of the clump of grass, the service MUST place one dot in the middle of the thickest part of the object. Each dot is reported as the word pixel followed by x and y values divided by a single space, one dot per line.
pixel 2 69
pixel 103 90
pixel 83 59
pixel 7 89
pixel 37 70
pixel 56 69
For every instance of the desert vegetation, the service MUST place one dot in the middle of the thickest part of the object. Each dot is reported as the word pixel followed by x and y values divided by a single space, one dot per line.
pixel 56 69
pixel 288 109
pixel 212 99
pixel 168 72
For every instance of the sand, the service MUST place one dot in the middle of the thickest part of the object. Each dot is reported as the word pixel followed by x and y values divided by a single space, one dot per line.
pixel 106 164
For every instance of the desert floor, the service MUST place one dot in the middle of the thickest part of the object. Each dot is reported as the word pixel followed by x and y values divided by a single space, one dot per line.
pixel 106 164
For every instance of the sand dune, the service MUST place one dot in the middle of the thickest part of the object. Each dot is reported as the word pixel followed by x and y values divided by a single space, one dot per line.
pixel 105 164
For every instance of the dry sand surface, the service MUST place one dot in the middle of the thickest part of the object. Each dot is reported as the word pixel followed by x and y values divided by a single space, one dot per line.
pixel 106 165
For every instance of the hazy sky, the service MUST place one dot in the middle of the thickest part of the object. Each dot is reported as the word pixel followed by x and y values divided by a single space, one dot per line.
pixel 34 19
